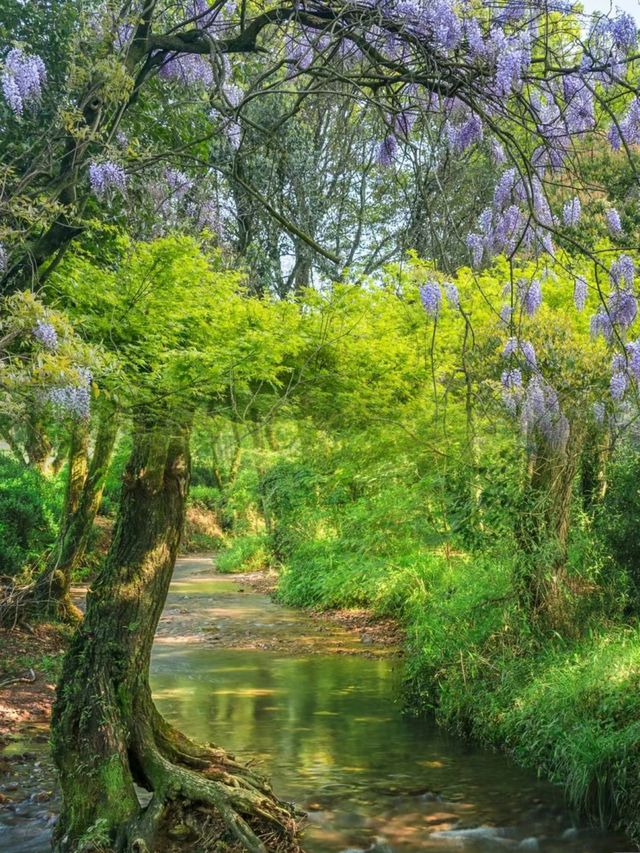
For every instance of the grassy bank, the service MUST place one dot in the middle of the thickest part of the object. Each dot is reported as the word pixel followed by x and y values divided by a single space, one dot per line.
pixel 569 708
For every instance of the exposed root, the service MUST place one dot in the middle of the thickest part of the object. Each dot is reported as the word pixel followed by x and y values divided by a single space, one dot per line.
pixel 214 762
pixel 208 808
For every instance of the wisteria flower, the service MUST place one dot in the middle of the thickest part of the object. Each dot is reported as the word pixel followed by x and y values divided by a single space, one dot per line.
pixel 387 151
pixel 431 297
pixel 107 177
pixel 74 398
pixel 46 335
pixel 613 222
pixel 23 77
pixel 571 212
pixel 580 293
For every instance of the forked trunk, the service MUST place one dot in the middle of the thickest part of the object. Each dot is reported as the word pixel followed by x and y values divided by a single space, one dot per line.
pixel 106 732
pixel 85 485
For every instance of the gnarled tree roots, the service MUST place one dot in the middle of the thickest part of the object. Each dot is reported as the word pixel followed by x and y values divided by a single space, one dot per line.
pixel 202 800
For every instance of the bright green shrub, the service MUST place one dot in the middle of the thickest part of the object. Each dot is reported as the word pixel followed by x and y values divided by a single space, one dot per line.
pixel 248 553
pixel 208 497
pixel 29 510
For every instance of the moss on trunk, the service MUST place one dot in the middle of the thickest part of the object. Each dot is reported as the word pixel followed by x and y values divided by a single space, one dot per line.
pixel 106 732
pixel 85 485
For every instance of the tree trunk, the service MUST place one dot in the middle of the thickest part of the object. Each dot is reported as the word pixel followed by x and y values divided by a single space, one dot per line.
pixel 594 467
pixel 544 536
pixel 50 596
pixel 215 468
pixel 37 444
pixel 85 485
pixel 236 459
pixel 51 593
pixel 106 732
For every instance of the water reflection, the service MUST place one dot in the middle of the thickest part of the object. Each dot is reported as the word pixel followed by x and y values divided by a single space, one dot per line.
pixel 329 732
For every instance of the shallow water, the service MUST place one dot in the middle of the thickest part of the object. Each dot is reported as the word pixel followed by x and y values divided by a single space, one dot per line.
pixel 328 729
pixel 276 687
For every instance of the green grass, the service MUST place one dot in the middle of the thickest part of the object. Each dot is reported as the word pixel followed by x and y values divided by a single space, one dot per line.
pixel 570 708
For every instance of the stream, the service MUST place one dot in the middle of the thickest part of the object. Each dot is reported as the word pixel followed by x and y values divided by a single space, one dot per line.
pixel 317 708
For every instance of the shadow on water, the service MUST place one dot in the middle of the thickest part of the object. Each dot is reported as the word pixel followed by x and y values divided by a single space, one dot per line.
pixel 328 730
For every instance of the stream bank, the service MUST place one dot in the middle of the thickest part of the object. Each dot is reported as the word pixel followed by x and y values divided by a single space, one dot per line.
pixel 315 705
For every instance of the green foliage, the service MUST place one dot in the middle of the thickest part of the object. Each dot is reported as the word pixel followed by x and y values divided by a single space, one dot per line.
pixel 206 496
pixel 617 519
pixel 249 553
pixel 29 509
pixel 406 489
pixel 113 484
pixel 568 709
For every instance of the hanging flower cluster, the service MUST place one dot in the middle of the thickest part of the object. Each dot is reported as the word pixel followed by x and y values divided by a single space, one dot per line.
pixel 621 307
pixel 73 399
pixel 431 296
pixel 580 293
pixel 23 77
pixel 46 335
pixel 534 401
pixel 187 69
pixel 613 222
pixel 530 295
pixel 571 212
pixel 178 183
pixel 625 370
pixel 106 178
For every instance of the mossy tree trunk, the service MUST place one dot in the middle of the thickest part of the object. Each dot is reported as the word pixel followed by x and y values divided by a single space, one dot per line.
pixel 37 444
pixel 106 732
pixel 85 485
pixel 545 528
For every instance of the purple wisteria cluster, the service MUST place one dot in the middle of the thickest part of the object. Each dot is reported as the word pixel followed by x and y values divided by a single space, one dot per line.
pixel 580 293
pixel 571 212
pixel 613 222
pixel 23 77
pixel 73 399
pixel 505 227
pixel 627 130
pixel 107 178
pixel 431 296
pixel 301 47
pixel 178 183
pixel 500 46
pixel 188 70
pixel 387 150
pixel 621 307
pixel 530 295
pixel 46 335
pixel 625 370
pixel 534 401
pixel 542 415
pixel 523 351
